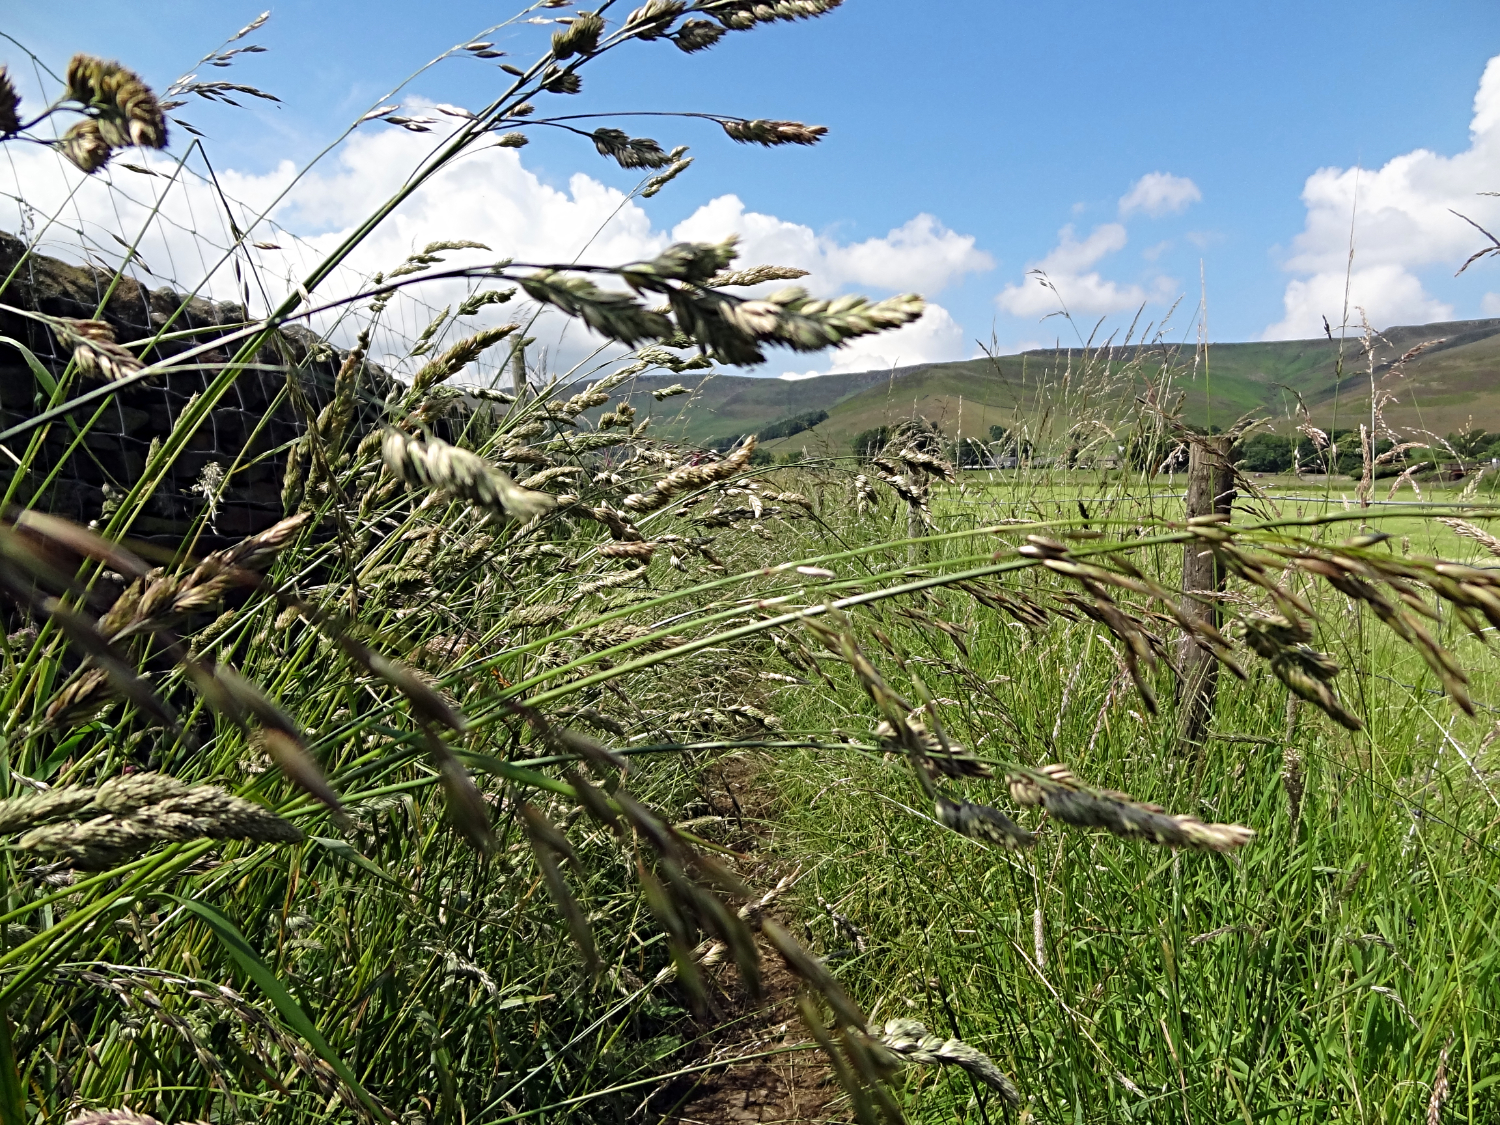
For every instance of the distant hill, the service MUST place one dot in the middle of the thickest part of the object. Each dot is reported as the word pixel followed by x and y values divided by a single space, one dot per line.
pixel 1452 382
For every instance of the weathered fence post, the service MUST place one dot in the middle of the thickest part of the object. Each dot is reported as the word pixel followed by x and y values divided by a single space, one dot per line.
pixel 520 384
pixel 1210 491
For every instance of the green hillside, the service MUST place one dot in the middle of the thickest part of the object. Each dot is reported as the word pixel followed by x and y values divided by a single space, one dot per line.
pixel 1451 384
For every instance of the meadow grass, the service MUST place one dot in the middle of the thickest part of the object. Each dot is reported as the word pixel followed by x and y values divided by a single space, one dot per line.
pixel 1319 973
pixel 473 686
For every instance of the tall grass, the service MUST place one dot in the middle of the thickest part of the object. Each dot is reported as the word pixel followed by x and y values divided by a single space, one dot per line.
pixel 470 682
pixel 1322 971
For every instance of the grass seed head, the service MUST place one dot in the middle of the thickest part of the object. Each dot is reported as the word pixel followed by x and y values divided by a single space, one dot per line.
pixel 528 615
pixel 437 465
pixel 143 810
pixel 450 362
pixel 93 341
pixel 947 757
pixel 10 102
pixel 762 132
pixel 980 822
pixel 690 477
pixel 31 809
pixel 128 112
pixel 1061 793
pixel 910 1042
pixel 581 37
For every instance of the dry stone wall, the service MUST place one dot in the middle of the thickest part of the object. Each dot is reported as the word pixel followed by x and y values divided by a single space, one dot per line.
pixel 251 426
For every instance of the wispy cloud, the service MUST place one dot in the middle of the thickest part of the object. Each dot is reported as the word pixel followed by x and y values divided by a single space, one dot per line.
pixel 1067 275
pixel 1159 193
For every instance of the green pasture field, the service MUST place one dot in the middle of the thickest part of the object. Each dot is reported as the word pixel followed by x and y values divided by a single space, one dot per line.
pixel 1325 972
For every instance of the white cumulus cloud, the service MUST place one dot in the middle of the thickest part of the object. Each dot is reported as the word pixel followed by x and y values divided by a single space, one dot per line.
pixel 1403 222
pixel 488 196
pixel 1066 277
pixel 922 255
pixel 1160 193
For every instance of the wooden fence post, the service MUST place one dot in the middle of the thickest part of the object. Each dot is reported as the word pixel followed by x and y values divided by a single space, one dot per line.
pixel 520 384
pixel 1210 490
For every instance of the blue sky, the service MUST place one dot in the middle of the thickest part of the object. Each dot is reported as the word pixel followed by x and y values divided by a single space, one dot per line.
pixel 970 140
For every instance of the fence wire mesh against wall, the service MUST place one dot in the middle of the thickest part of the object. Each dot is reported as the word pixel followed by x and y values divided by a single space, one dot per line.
pixel 165 250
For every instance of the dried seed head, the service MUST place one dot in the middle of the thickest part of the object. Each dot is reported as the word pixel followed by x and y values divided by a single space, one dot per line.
pixel 438 465
pixel 1069 800
pixel 93 341
pixel 629 550
pixel 536 615
pixel 679 165
pixel 580 38
pixel 608 582
pixel 83 700
pixel 910 1042
pixel 586 399
pixel 142 810
pixel 10 101
pixel 30 809
pixel 564 82
pixel 129 792
pixel 620 633
pixel 546 476
pixel 628 151
pixel 662 393
pixel 691 477
pixel 755 275
pixel 456 358
pixel 980 822
pixel 928 463
pixel 762 132
pixel 1470 531
pixel 128 111
pixel 697 35
pixel 653 18
pixel 942 754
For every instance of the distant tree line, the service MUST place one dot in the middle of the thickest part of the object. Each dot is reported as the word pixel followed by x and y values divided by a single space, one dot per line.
pixel 1259 453
pixel 786 427
pixel 793 425
pixel 1272 453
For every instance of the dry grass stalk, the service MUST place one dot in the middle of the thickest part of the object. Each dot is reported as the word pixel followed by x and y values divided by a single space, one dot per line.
pixel 909 1041
pixel 1440 1087
pixel 138 812
pixel 1056 789
pixel 1470 531
pixel 980 822
pixel 437 465
pixel 95 352
pixel 691 477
